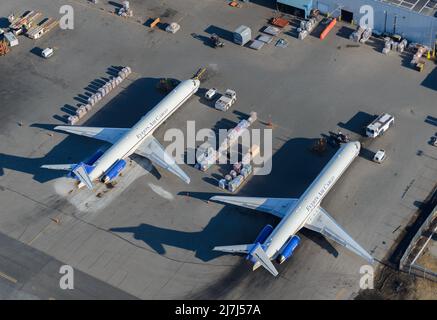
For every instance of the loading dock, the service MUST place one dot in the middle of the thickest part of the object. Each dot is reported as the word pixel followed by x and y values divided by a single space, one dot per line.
pixel 347 16
pixel 299 8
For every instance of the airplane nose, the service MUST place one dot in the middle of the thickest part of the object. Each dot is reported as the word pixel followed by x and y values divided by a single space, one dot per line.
pixel 196 83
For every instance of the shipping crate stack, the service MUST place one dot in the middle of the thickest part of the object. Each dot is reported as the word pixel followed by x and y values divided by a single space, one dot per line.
pixel 306 27
pixel 210 156
pixel 418 62
pixel 390 44
pixel 240 171
pixel 113 82
pixel 361 34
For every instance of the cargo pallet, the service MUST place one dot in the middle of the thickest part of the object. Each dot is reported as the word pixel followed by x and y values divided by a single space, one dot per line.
pixel 27 20
pixel 38 31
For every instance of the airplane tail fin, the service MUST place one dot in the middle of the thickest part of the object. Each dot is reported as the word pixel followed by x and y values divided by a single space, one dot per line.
pixel 80 171
pixel 255 252
pixel 258 253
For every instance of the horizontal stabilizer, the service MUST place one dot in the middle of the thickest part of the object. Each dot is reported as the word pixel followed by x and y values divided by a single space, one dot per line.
pixel 254 250
pixel 240 248
pixel 67 167
pixel 323 223
pixel 275 206
pixel 110 135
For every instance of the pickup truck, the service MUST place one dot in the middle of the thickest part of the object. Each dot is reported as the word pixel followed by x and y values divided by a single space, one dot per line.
pixel 226 100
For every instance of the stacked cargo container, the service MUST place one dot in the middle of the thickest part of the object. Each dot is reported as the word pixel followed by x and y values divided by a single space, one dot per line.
pixel 100 94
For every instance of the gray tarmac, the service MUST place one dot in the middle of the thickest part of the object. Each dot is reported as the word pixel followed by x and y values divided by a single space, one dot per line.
pixel 151 236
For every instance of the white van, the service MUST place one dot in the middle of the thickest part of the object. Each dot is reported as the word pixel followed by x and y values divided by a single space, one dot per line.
pixel 47 53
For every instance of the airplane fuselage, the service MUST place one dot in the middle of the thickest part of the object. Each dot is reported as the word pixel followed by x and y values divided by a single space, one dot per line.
pixel 132 139
pixel 305 207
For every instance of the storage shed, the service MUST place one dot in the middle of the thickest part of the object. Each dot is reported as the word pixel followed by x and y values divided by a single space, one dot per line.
pixel 242 35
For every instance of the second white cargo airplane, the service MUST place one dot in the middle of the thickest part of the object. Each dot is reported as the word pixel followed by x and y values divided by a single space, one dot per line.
pixel 138 139
pixel 280 242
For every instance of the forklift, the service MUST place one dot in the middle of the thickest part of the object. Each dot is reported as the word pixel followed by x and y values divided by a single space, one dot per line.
pixel 336 139
pixel 216 43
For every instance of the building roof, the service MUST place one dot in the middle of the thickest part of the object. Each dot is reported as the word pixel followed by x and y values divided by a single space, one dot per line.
pixel 425 7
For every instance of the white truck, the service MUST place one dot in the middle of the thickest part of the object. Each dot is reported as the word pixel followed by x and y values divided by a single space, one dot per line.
pixel 47 53
pixel 379 156
pixel 380 125
pixel 226 100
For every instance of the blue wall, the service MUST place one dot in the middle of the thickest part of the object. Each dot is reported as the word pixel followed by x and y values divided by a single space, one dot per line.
pixel 306 5
pixel 412 25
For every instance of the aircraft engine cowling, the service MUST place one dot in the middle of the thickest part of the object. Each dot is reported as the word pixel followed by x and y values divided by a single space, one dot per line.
pixel 288 249
pixel 114 171
pixel 265 232
pixel 261 238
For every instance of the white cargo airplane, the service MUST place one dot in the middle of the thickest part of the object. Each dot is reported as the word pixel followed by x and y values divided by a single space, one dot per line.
pixel 138 139
pixel 280 242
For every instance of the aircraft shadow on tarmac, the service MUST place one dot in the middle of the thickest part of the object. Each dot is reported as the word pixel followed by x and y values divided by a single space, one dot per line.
pixel 122 111
pixel 294 168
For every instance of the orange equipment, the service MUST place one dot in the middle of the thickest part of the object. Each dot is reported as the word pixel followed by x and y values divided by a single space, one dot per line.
pixel 327 29
pixel 279 22
pixel 235 4
pixel 155 22
pixel 4 48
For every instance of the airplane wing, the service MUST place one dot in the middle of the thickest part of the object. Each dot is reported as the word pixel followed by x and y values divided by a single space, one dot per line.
pixel 110 135
pixel 276 206
pixel 153 150
pixel 323 223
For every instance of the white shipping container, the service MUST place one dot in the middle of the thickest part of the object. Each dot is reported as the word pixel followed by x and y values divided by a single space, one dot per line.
pixel 234 184
pixel 222 183
pixel 73 120
pixel 233 173
pixel 80 113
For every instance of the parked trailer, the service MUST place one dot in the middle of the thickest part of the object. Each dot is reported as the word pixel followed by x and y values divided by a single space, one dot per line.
pixel 380 125
pixel 11 39
pixel 328 29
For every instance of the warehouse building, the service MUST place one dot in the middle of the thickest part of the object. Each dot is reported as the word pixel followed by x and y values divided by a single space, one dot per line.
pixel 412 19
